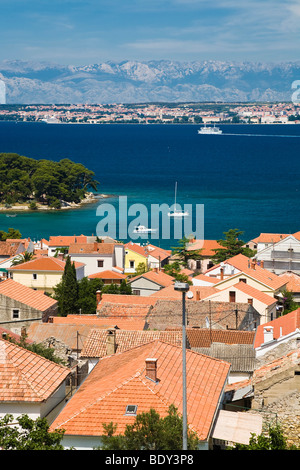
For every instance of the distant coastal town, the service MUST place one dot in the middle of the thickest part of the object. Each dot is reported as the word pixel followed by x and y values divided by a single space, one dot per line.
pixel 155 113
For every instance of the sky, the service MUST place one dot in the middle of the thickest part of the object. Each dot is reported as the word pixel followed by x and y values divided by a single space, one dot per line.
pixel 75 32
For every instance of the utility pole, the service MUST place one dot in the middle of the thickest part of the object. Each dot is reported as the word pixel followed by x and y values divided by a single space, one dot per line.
pixel 183 287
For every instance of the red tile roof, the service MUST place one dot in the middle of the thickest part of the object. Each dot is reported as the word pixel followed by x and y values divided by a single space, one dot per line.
pixel 33 298
pixel 9 249
pixel 111 321
pixel 199 293
pixel 159 277
pixel 141 250
pixel 207 247
pixel 282 326
pixel 120 380
pixel 203 338
pixel 95 343
pixel 255 293
pixel 270 237
pixel 43 263
pixel 107 275
pixel 66 240
pixel 293 281
pixel 26 376
pixel 262 275
pixel 92 248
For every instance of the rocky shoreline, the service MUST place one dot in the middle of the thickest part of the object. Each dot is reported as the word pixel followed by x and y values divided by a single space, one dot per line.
pixel 90 198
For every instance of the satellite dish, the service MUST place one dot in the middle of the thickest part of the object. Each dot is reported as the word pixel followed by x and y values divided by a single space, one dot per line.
pixel 190 294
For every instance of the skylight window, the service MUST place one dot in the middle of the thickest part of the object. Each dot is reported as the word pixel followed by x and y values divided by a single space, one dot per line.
pixel 131 409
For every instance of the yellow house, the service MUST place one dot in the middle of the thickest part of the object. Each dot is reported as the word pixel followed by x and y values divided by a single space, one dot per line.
pixel 42 273
pixel 134 255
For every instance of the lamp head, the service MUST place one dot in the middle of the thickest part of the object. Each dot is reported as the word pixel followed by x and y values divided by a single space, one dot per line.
pixel 181 286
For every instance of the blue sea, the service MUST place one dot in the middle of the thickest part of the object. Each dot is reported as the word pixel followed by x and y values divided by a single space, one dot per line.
pixel 247 178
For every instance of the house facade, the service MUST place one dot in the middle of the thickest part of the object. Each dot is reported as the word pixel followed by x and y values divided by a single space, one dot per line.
pixel 42 273
pixel 281 256
pixel 97 257
pixel 150 282
pixel 20 306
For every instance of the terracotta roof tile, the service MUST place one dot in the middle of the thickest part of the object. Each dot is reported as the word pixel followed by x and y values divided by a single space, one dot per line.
pixel 27 377
pixel 95 344
pixel 34 298
pixel 255 293
pixel 207 247
pixel 92 248
pixel 293 281
pixel 43 263
pixel 66 240
pixel 108 274
pixel 262 275
pixel 199 292
pixel 120 380
pixel 159 277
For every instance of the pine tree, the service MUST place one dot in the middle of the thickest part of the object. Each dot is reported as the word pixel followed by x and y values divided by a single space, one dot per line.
pixel 66 292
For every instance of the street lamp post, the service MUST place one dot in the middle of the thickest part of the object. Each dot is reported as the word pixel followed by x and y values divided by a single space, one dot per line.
pixel 183 287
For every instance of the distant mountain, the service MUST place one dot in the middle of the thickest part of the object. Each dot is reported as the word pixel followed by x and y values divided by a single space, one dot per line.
pixel 152 81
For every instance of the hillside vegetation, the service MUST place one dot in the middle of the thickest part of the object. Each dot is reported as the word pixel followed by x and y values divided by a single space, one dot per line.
pixel 26 180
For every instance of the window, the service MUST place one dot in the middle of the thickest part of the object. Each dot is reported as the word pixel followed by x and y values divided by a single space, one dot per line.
pixel 232 296
pixel 242 279
pixel 34 276
pixel 100 263
pixel 131 264
pixel 15 313
pixel 131 410
pixel 198 264
pixel 136 292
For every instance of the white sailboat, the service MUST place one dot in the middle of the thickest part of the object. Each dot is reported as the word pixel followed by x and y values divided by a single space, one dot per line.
pixel 176 212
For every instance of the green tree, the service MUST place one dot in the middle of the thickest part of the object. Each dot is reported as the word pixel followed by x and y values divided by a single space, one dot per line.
pixel 232 246
pixel 183 254
pixel 149 432
pixel 22 258
pixel 273 440
pixel 87 288
pixel 29 435
pixel 141 269
pixel 289 304
pixel 174 269
pixel 66 292
pixel 11 233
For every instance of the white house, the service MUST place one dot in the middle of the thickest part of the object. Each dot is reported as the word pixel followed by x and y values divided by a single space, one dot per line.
pixel 98 257
pixel 30 384
pixel 281 256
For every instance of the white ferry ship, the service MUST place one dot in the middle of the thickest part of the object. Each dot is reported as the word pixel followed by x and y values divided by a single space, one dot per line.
pixel 210 130
pixel 143 229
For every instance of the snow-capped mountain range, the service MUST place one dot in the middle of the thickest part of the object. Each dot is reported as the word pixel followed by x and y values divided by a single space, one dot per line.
pixel 151 81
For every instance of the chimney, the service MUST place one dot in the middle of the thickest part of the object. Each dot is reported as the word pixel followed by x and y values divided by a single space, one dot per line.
pixel 252 264
pixel 222 273
pixel 61 256
pixel 95 246
pixel 268 334
pixel 110 342
pixel 197 295
pixel 262 263
pixel 98 296
pixel 151 369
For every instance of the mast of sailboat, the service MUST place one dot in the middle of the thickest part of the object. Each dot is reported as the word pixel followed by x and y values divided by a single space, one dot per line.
pixel 175 196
